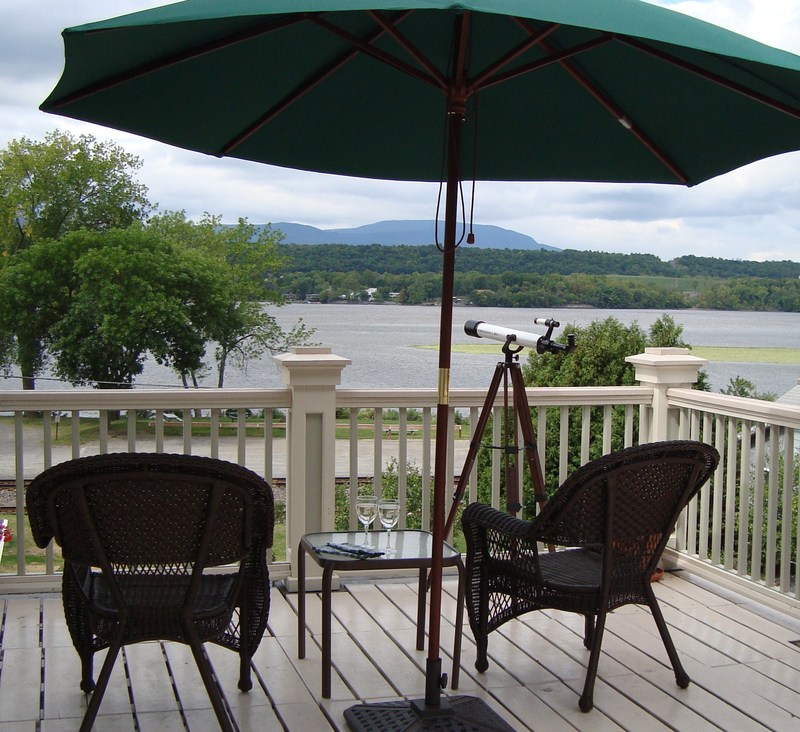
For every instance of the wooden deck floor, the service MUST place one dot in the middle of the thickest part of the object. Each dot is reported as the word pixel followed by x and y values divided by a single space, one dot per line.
pixel 744 666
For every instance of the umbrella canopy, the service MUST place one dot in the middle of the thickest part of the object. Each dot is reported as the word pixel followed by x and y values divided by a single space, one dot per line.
pixel 573 90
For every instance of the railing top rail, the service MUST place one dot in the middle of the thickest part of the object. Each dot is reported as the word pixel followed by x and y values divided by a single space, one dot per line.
pixel 73 399
pixel 757 410
pixel 537 396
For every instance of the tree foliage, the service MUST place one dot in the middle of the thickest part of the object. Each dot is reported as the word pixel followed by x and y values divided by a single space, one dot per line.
pixel 100 303
pixel 245 258
pixel 65 183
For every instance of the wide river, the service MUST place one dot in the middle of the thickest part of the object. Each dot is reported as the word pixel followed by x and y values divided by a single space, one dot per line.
pixel 384 343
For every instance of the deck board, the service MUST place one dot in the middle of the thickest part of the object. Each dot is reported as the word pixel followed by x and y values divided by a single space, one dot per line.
pixel 745 672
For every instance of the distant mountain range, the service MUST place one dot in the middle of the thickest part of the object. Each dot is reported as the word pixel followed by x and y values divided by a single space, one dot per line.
pixel 391 233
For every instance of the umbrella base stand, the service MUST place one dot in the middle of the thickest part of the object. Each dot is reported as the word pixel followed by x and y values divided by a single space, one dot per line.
pixel 456 713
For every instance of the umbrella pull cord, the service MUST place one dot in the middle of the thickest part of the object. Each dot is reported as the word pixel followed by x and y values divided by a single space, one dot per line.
pixel 471 235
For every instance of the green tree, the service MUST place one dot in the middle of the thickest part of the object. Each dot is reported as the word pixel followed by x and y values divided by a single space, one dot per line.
pixel 741 387
pixel 65 183
pixel 133 293
pixel 35 290
pixel 245 257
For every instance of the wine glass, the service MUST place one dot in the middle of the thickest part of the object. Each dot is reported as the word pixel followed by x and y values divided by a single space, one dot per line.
pixel 389 514
pixel 366 510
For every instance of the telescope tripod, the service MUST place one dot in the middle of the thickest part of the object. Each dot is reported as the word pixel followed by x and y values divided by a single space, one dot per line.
pixel 506 371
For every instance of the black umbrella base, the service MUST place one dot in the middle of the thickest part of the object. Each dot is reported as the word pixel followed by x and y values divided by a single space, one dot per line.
pixel 456 713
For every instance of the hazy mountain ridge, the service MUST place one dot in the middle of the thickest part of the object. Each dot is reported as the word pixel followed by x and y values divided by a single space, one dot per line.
pixel 412 233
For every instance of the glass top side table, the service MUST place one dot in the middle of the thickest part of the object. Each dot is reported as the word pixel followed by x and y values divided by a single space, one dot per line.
pixel 408 549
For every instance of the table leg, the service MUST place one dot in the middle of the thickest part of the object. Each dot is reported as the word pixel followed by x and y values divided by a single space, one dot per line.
pixel 421 607
pixel 301 602
pixel 327 574
pixel 459 627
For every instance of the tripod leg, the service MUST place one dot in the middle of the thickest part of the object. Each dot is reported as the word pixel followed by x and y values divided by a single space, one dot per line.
pixel 474 445
pixel 523 411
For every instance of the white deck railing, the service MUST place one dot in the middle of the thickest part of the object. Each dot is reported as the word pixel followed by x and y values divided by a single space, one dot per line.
pixel 742 528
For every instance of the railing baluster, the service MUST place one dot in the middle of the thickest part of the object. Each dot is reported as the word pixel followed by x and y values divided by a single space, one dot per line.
pixel 745 478
pixel 377 450
pixel 353 523
pixel 497 458
pixel 402 464
pixel 241 436
pixel 131 430
pixel 75 424
pixel 19 481
pixel 586 424
pixel 756 566
pixel 730 496
pixel 214 427
pixel 269 444
pixel 787 510
pixel 427 437
pixel 159 428
pixel 563 452
pixel 186 416
pixel 608 412
pixel 772 506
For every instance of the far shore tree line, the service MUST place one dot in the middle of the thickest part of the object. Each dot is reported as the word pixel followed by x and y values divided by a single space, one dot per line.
pixel 516 278
pixel 94 280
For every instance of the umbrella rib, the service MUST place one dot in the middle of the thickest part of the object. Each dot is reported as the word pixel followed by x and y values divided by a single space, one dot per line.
pixel 378 54
pixel 173 59
pixel 535 37
pixel 297 94
pixel 619 114
pixel 711 76
pixel 541 63
pixel 410 48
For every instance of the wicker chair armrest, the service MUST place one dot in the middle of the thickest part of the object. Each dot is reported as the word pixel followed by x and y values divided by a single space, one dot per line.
pixel 480 517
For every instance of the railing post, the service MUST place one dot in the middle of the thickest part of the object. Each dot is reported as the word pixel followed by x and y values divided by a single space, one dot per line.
pixel 665 368
pixel 312 374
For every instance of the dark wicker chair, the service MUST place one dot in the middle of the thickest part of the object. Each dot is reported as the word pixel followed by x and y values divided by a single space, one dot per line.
pixel 137 533
pixel 610 521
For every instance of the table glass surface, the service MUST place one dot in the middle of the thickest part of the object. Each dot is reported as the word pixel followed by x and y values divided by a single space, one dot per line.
pixel 404 544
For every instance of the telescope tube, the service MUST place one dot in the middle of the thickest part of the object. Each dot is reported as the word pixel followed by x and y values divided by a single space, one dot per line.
pixel 479 329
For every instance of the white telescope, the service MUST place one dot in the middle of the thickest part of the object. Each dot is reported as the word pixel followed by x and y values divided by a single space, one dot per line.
pixel 479 329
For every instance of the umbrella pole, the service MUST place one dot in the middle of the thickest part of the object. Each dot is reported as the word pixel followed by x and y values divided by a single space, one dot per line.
pixel 457 713
pixel 433 671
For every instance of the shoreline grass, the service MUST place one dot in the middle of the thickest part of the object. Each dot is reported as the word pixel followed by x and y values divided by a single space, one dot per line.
pixel 731 354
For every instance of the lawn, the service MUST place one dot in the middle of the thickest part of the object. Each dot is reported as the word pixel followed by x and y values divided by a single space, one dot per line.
pixel 734 354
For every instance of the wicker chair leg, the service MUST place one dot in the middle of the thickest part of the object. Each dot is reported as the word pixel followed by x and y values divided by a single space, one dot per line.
pixel 87 671
pixel 586 702
pixel 208 681
pixel 100 689
pixel 588 630
pixel 245 680
pixel 681 677
pixel 482 660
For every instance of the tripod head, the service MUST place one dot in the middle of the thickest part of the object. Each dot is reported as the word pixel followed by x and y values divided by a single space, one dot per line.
pixel 546 344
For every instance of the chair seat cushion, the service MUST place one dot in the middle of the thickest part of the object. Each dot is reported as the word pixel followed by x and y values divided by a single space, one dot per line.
pixel 154 604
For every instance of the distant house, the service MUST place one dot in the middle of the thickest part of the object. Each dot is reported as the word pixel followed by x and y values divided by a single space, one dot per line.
pixel 791 397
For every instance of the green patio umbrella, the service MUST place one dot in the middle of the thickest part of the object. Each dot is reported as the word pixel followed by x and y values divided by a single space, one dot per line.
pixel 571 90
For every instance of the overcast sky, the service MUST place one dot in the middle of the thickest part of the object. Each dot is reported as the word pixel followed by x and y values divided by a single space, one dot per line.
pixel 752 213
